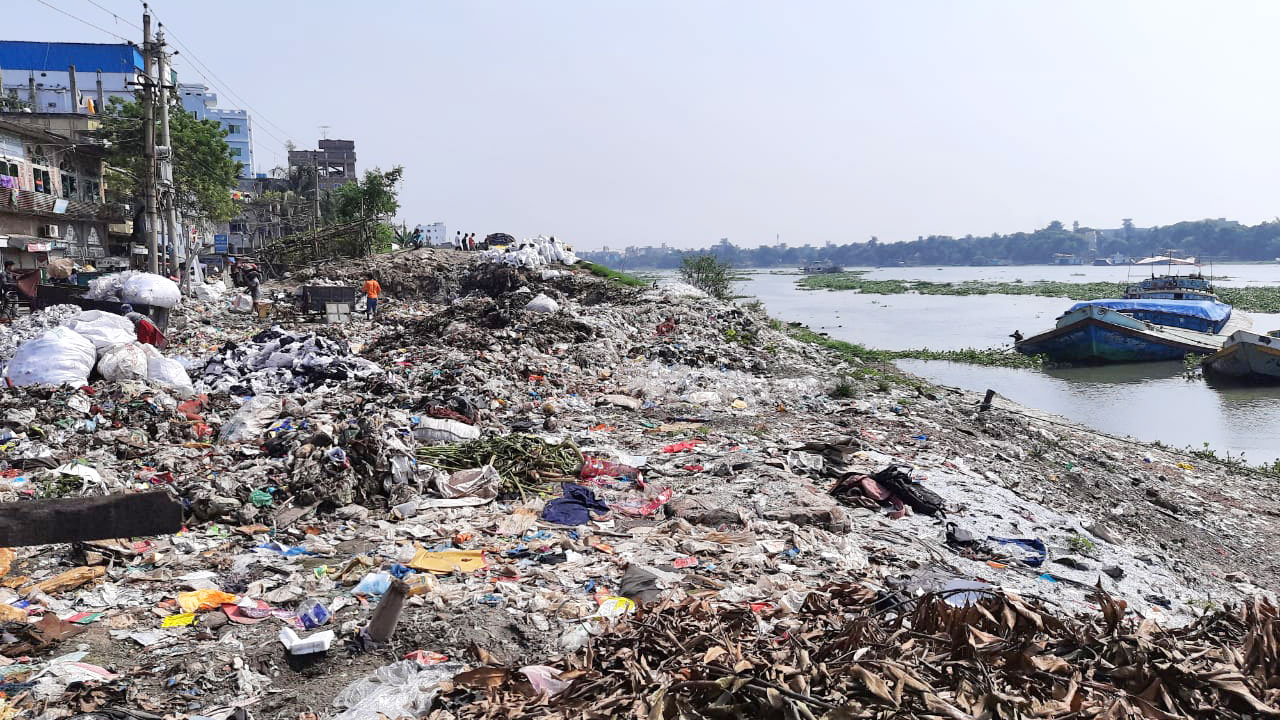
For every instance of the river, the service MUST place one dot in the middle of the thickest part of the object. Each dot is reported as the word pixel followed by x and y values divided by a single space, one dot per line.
pixel 1149 401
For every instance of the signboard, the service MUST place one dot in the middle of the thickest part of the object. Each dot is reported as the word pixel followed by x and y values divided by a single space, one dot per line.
pixel 219 243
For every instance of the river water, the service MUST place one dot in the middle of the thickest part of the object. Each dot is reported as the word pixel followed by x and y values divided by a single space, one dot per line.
pixel 1149 401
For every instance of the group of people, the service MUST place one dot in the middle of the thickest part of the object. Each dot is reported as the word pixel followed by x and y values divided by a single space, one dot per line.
pixel 468 242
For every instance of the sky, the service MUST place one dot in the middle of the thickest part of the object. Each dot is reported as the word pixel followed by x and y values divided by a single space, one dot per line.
pixel 678 121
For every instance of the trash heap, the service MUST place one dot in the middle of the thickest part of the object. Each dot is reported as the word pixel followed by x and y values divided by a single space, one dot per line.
pixel 135 287
pixel 532 253
pixel 276 361
pixel 607 503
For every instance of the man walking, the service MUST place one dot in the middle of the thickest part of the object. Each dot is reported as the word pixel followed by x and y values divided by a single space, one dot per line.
pixel 372 291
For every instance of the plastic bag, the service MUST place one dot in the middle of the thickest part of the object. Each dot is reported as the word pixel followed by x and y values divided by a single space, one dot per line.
pixel 127 361
pixel 250 420
pixel 443 431
pixel 60 356
pixel 208 292
pixel 149 289
pixel 400 689
pixel 242 303
pixel 479 483
pixel 105 329
pixel 168 372
pixel 542 304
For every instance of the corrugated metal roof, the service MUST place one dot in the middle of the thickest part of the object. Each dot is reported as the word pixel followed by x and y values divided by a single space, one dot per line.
pixel 87 57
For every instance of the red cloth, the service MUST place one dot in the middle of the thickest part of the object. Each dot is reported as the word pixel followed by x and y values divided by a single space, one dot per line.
pixel 150 334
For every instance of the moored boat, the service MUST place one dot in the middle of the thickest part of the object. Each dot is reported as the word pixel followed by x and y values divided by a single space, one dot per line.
pixel 1246 357
pixel 1091 333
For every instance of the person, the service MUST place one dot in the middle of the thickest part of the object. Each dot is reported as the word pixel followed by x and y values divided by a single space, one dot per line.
pixel 1016 335
pixel 471 241
pixel 253 280
pixel 372 291
pixel 457 239
pixel 145 330
pixel 10 277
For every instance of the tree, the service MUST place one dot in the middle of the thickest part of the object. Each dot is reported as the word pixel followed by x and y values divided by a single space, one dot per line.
pixel 707 274
pixel 204 171
pixel 373 196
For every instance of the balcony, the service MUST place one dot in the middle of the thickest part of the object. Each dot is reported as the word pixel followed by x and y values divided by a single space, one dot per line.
pixel 34 203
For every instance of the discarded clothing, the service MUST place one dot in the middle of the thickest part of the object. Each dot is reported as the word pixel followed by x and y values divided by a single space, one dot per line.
pixel 575 507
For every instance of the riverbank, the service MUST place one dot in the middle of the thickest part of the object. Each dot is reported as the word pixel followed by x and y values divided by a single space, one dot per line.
pixel 712 438
pixel 1246 299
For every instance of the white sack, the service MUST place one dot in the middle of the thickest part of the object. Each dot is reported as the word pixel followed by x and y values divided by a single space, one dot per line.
pixel 60 356
pixel 127 361
pixel 542 304
pixel 104 329
pixel 149 289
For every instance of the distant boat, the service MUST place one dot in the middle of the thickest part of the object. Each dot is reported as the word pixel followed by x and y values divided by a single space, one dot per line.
pixel 1160 318
pixel 820 267
pixel 1102 262
pixel 1247 357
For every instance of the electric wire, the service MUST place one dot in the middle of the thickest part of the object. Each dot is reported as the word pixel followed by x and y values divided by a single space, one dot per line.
pixel 77 18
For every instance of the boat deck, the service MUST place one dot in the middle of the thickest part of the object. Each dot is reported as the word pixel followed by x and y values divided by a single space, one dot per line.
pixel 1211 342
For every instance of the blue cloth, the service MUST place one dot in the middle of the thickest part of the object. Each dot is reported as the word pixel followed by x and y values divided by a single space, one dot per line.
pixel 1037 552
pixel 1214 312
pixel 575 507
pixel 371 305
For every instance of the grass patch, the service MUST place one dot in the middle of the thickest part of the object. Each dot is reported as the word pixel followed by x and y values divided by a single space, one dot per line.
pixel 1248 299
pixel 972 356
pixel 620 277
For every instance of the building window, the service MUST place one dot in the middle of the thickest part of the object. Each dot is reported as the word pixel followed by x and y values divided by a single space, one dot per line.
pixel 8 168
pixel 233 129
pixel 68 185
pixel 235 152
pixel 92 191
pixel 40 179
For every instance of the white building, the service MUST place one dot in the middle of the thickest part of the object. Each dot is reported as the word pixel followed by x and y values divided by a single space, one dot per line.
pixel 434 234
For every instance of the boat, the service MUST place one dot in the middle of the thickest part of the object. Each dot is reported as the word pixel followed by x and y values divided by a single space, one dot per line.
pixel 820 267
pixel 1093 333
pixel 1246 357
pixel 1163 317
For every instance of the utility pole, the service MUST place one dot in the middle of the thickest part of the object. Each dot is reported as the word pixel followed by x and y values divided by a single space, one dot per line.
pixel 166 161
pixel 315 220
pixel 149 140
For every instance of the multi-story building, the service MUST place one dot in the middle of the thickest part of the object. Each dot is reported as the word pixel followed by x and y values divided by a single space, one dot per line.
pixel 37 75
pixel 203 104
pixel 51 192
pixel 335 162
pixel 435 234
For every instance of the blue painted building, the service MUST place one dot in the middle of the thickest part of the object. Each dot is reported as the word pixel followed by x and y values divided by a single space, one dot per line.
pixel 38 74
pixel 198 100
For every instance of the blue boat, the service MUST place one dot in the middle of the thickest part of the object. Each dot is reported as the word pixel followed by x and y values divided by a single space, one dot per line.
pixel 1161 318
pixel 1093 334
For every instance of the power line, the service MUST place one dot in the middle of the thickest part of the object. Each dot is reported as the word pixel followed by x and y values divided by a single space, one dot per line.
pixel 82 20
pixel 117 17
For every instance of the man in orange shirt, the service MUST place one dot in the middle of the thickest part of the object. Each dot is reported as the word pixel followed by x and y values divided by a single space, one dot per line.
pixel 372 291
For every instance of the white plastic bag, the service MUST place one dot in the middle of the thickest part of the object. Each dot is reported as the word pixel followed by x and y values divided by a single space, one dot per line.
pixel 208 292
pixel 150 289
pixel 443 431
pixel 127 361
pixel 242 303
pixel 104 329
pixel 400 689
pixel 169 372
pixel 250 420
pixel 542 304
pixel 60 356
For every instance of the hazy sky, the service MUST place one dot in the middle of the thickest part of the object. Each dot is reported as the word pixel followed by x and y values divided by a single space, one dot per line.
pixel 684 121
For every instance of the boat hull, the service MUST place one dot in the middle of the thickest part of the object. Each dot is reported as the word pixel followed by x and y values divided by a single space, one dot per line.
pixel 1246 357
pixel 1097 338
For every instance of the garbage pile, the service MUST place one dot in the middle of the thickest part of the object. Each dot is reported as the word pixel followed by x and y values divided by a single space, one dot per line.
pixel 532 253
pixel 543 494
pixel 29 327
pixel 276 361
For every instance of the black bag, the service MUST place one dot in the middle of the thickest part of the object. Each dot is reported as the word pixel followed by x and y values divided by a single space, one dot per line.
pixel 921 499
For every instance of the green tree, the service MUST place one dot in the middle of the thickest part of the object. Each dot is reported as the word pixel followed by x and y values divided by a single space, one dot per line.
pixel 204 171
pixel 376 196
pixel 707 274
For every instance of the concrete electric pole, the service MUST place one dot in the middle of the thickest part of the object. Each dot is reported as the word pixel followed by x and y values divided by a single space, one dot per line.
pixel 168 193
pixel 149 140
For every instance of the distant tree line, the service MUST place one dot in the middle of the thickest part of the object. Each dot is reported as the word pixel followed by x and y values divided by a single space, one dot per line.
pixel 1220 240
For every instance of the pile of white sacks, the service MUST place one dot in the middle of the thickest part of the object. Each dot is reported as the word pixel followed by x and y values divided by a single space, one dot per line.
pixel 68 352
pixel 532 253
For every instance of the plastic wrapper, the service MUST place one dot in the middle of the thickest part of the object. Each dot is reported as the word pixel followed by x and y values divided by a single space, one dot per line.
pixel 478 483
pixel 542 304
pixel 249 422
pixel 442 431
pixel 400 689
pixel 60 356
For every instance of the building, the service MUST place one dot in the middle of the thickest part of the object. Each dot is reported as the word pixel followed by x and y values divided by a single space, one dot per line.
pixel 335 161
pixel 51 193
pixel 435 234
pixel 203 104
pixel 37 75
